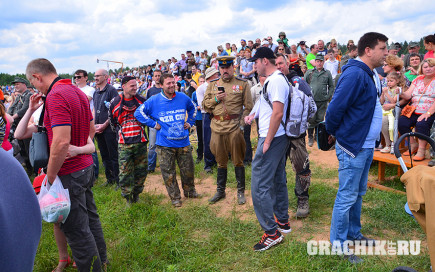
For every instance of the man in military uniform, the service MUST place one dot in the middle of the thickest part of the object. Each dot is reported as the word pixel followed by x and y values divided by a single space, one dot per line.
pixel 229 100
pixel 17 111
pixel 322 85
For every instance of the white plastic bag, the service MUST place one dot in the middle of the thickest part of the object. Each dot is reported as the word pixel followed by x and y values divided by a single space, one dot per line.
pixel 54 201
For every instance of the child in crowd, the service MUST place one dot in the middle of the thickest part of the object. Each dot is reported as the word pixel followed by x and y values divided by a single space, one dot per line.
pixel 395 83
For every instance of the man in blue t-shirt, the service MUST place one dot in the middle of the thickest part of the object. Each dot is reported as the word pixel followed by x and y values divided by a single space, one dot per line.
pixel 166 112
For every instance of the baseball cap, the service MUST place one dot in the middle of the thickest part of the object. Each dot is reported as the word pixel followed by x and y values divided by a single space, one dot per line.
pixel 413 44
pixel 263 52
pixel 319 57
pixel 21 80
pixel 127 79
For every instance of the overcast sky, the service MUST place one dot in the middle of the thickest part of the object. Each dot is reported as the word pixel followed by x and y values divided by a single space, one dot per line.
pixel 73 34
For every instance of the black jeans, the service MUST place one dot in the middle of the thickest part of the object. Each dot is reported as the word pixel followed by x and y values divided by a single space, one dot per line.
pixel 247 136
pixel 200 149
pixel 108 146
pixel 82 228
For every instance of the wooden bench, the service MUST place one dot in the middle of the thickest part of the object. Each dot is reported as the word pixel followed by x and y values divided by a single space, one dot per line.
pixel 384 158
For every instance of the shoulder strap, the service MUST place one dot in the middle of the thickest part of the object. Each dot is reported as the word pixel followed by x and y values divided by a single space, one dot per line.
pixel 266 97
pixel 41 118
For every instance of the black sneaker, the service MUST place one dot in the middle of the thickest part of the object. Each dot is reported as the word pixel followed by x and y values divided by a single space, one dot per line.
pixel 284 228
pixel 268 241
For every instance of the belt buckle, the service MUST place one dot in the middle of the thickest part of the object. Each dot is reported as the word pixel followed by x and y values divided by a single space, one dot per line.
pixel 221 118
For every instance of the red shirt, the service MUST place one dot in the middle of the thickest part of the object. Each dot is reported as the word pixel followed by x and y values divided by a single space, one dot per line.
pixel 67 105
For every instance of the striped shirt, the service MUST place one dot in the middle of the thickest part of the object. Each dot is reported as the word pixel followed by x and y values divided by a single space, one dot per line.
pixel 67 105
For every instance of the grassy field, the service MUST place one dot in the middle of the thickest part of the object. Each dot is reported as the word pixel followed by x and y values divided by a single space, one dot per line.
pixel 153 236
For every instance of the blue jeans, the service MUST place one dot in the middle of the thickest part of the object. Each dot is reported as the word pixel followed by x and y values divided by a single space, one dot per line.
pixel 269 184
pixel 352 178
pixel 152 154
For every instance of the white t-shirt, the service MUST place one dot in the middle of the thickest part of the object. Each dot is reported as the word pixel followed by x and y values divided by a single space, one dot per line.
pixel 332 66
pixel 277 90
pixel 200 92
pixel 89 91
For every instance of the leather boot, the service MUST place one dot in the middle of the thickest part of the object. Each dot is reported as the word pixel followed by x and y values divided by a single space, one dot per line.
pixel 240 177
pixel 310 137
pixel 221 183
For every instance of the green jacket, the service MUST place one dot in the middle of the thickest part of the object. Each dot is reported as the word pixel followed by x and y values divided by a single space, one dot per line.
pixel 321 84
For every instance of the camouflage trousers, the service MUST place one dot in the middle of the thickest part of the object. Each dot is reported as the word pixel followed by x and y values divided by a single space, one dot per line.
pixel 133 164
pixel 298 154
pixel 183 156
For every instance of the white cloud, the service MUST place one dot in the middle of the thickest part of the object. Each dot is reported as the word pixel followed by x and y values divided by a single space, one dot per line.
pixel 73 34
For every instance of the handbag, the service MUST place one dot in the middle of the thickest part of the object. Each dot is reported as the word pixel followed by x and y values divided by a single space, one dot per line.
pixel 38 148
pixel 408 110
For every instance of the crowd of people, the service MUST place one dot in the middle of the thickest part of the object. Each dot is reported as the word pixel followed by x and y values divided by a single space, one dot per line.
pixel 221 95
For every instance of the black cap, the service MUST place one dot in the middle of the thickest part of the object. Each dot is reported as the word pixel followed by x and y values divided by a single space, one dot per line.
pixel 263 52
pixel 127 79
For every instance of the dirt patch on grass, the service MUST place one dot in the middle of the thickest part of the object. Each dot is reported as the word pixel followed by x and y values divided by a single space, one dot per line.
pixel 206 187
pixel 323 158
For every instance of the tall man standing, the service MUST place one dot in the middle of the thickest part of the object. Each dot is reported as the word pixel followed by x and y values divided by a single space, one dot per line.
pixel 68 120
pixel 354 118
pixel 166 112
pixel 81 79
pixel 229 100
pixel 268 178
pixel 152 154
pixel 106 138
pixel 132 140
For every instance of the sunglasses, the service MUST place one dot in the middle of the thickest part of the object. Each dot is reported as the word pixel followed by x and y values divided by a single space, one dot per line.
pixel 78 77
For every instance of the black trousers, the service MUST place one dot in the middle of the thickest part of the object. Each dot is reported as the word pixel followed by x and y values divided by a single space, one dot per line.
pixel 200 149
pixel 82 228
pixel 247 136
pixel 108 146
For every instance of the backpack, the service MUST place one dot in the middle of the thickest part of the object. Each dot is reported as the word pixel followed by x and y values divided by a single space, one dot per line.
pixel 300 109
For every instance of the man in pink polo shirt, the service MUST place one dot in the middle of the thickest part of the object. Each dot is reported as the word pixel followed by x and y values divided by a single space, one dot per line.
pixel 68 120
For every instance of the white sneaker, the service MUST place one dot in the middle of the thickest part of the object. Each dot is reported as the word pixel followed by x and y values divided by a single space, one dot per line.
pixel 386 150
pixel 379 148
pixel 392 149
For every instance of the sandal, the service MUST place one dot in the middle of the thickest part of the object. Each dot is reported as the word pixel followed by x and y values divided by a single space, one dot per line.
pixel 420 157
pixel 413 151
pixel 67 261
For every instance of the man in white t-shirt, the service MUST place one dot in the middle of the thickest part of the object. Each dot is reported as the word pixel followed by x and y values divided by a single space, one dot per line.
pixel 209 159
pixel 268 178
pixel 81 79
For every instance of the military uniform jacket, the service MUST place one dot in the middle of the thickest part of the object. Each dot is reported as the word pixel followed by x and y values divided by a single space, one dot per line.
pixel 237 102
pixel 321 84
pixel 20 106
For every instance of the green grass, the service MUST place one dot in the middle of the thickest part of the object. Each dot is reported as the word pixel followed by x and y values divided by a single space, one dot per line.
pixel 154 236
